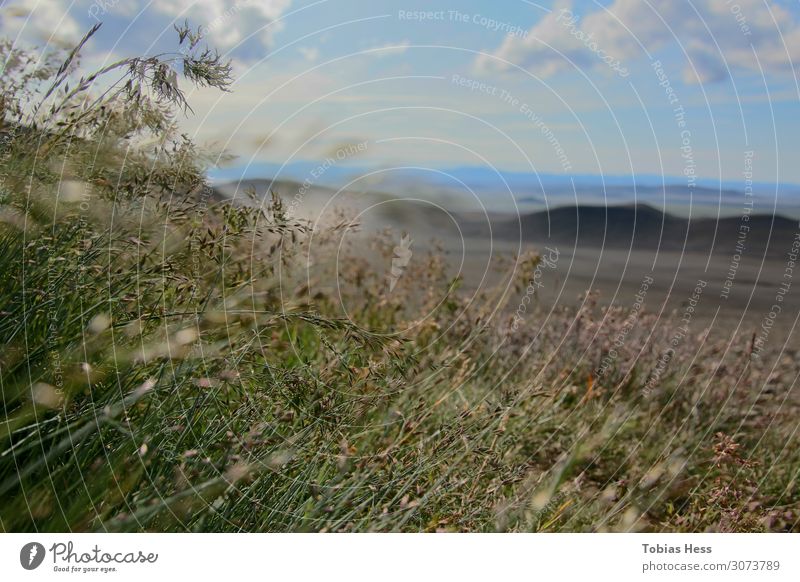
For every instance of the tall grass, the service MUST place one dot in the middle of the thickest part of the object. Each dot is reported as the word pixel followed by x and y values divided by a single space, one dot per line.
pixel 170 361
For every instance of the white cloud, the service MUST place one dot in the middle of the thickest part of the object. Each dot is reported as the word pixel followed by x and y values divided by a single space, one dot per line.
pixel 39 21
pixel 739 35
pixel 309 53
pixel 227 24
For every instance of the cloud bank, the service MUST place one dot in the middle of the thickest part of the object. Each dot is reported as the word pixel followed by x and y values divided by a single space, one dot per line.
pixel 228 25
pixel 713 37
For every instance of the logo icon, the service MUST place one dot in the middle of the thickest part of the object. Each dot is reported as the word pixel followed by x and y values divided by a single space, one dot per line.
pixel 31 555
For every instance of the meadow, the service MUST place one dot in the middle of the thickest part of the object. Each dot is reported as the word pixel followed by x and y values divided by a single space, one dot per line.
pixel 172 361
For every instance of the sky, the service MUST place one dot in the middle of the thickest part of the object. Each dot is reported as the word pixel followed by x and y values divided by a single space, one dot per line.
pixel 688 89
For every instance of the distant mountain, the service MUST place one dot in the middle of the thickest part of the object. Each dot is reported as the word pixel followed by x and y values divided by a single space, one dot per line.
pixel 626 226
pixel 502 190
pixel 644 227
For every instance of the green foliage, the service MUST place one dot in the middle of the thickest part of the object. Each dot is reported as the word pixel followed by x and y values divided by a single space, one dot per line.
pixel 165 366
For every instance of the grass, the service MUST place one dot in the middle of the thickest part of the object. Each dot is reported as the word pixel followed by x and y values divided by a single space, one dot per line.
pixel 173 362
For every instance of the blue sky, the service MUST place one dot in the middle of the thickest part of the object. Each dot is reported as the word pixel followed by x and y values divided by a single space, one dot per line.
pixel 557 88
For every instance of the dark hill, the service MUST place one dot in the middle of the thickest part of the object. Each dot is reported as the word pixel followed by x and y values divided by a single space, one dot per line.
pixel 644 227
